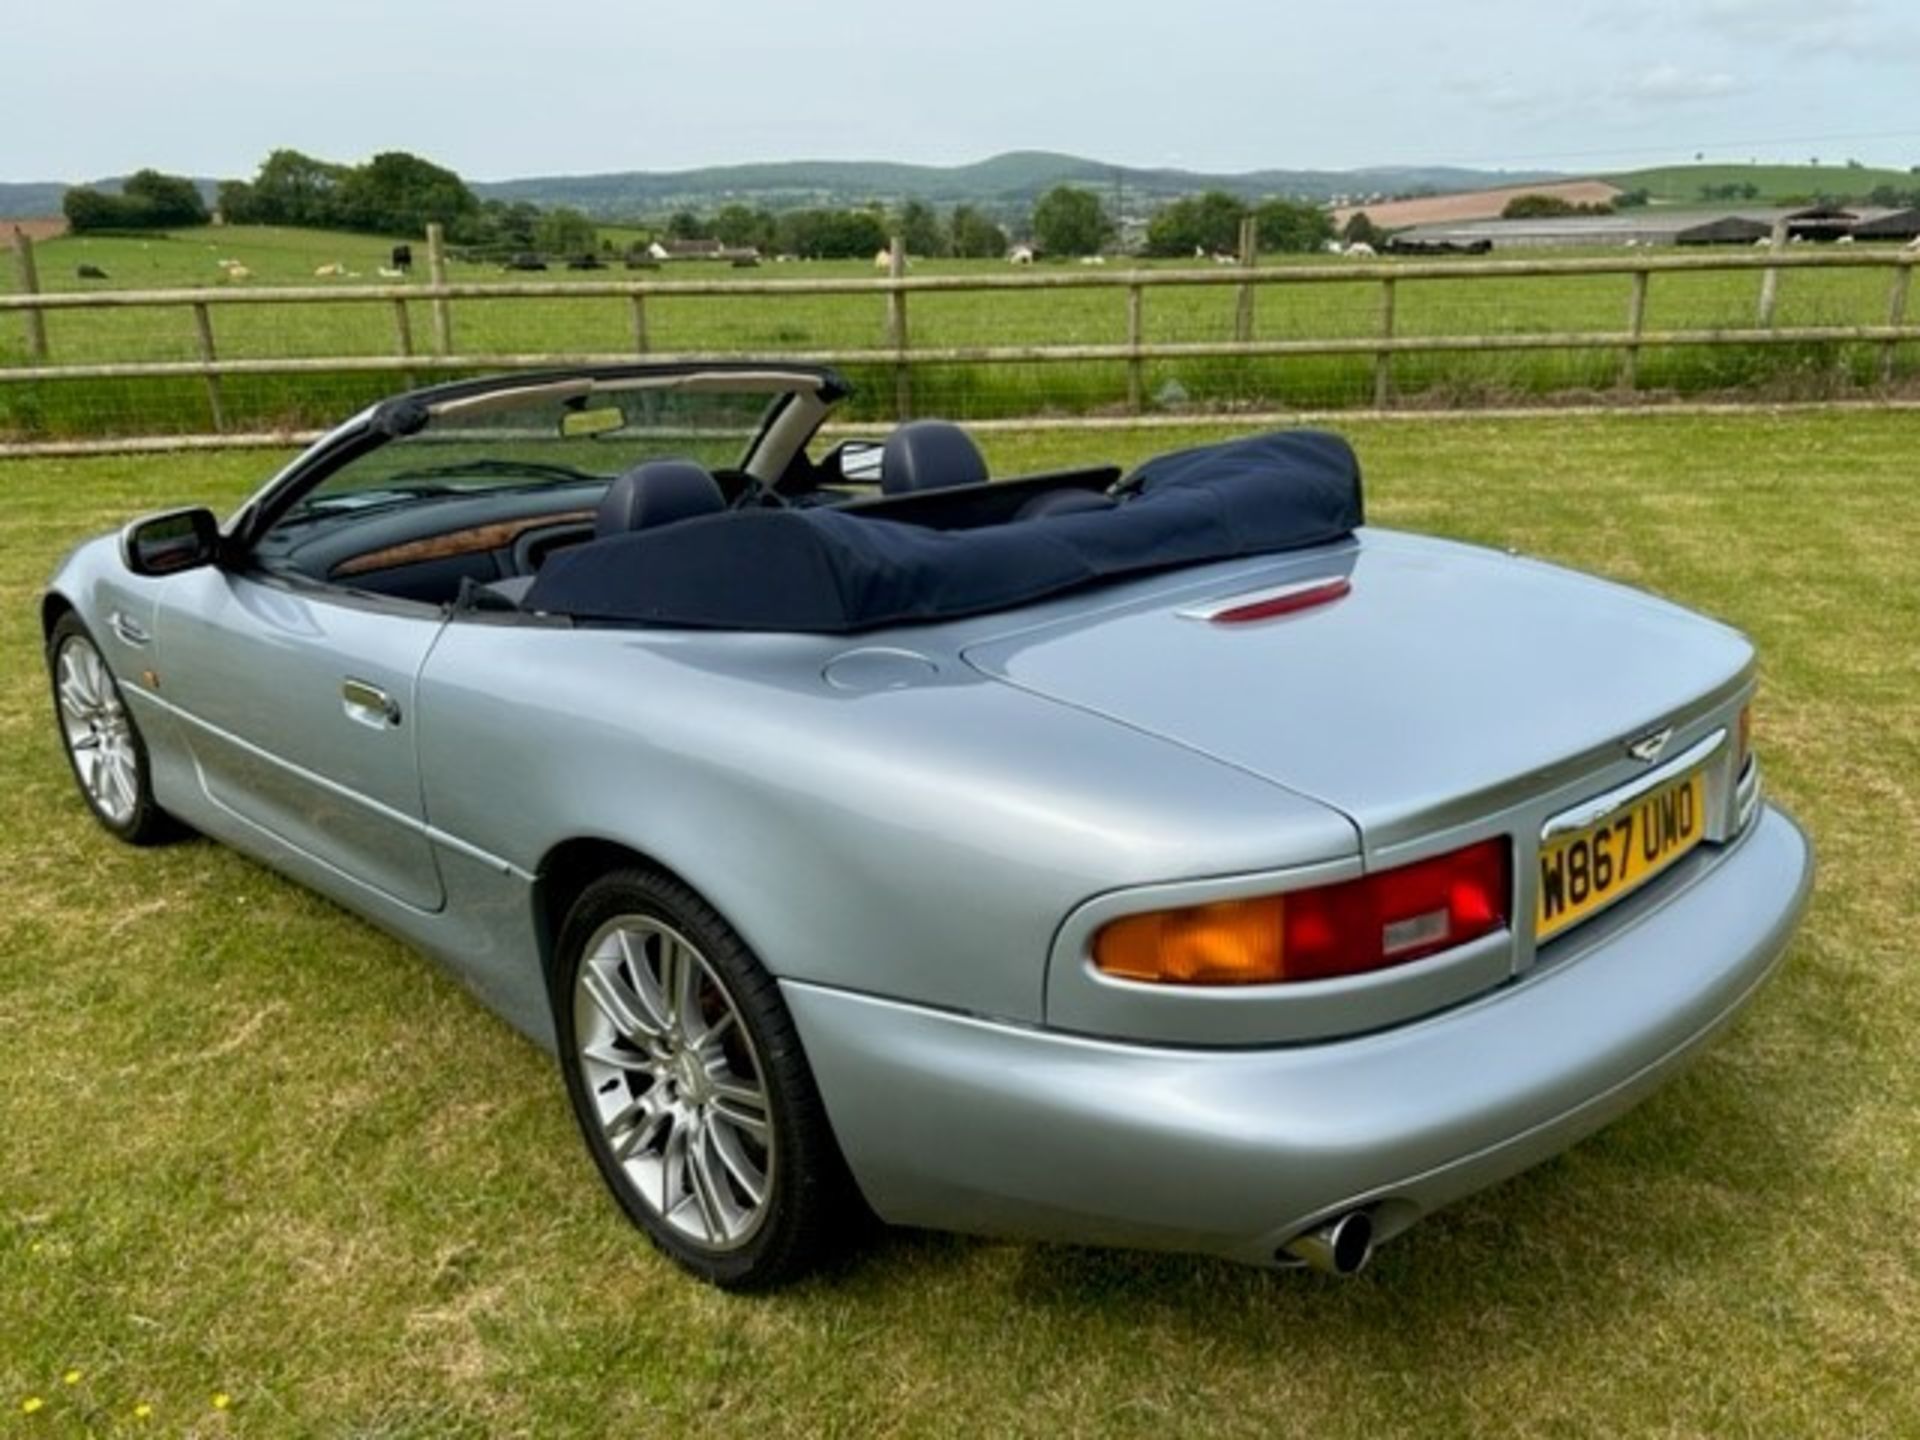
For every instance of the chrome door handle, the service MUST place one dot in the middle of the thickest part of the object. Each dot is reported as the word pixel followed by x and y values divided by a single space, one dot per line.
pixel 128 629
pixel 369 704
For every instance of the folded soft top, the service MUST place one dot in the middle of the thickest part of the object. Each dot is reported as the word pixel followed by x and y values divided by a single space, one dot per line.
pixel 834 571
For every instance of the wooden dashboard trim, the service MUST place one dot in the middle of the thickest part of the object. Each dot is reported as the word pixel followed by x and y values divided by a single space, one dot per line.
pixel 471 541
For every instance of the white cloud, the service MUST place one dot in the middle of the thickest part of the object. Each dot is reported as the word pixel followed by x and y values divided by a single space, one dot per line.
pixel 1857 28
pixel 1671 84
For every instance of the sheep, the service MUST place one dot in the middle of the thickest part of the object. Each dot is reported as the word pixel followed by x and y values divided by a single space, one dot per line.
pixel 1093 259
pixel 883 260
pixel 1360 250
pixel 329 272
pixel 1844 240
pixel 388 273
pixel 90 272
pixel 1913 244
pixel 237 271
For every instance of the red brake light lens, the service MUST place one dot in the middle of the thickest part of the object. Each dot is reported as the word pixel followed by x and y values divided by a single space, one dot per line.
pixel 1372 923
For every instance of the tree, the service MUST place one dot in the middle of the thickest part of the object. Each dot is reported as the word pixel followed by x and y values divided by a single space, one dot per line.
pixel 1292 226
pixel 974 236
pixel 1209 222
pixel 1360 230
pixel 400 194
pixel 167 199
pixel 685 225
pixel 744 228
pixel 1070 221
pixel 832 234
pixel 293 189
pixel 147 201
pixel 920 230
pixel 565 231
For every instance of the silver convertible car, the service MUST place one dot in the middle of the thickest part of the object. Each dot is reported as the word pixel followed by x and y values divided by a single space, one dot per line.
pixel 1165 859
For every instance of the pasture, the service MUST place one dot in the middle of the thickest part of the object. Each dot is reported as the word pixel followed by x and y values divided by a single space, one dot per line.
pixel 257 1150
pixel 808 324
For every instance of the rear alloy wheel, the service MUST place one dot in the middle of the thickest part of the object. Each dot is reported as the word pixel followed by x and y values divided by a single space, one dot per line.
pixel 103 743
pixel 689 1084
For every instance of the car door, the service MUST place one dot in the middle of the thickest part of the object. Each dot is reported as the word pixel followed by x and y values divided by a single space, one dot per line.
pixel 298 706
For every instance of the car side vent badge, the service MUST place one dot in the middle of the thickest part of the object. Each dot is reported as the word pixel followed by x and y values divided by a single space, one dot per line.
pixel 1270 603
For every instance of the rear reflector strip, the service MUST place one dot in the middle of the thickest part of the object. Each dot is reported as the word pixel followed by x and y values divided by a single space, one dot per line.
pixel 1267 604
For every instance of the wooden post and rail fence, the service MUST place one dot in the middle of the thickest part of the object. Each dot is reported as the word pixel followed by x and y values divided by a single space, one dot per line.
pixel 901 357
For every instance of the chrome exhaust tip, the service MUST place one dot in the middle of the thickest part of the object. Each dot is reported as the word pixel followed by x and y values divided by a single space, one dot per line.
pixel 1342 1246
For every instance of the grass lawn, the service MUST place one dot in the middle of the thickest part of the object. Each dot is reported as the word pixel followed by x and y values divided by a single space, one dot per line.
pixel 813 324
pixel 256 1149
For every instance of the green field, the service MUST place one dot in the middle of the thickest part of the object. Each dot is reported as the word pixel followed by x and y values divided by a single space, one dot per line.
pixel 805 325
pixel 256 1149
pixel 1682 184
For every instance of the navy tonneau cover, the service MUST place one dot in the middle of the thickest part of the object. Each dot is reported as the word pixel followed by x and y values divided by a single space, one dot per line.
pixel 830 571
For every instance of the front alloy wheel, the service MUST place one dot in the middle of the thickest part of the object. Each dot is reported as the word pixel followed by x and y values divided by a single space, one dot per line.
pixel 690 1086
pixel 102 742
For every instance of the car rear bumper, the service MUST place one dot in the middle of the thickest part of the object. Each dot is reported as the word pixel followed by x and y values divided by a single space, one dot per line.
pixel 966 1124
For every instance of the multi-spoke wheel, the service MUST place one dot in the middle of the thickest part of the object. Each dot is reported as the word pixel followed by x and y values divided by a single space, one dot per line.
pixel 689 1083
pixel 103 744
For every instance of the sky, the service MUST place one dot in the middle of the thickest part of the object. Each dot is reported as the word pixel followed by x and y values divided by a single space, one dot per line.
pixel 500 88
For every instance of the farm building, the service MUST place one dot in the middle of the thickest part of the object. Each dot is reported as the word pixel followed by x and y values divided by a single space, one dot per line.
pixel 1652 226
pixel 1727 230
pixel 1900 225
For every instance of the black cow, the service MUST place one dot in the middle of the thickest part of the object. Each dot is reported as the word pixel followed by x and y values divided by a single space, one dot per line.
pixel 402 257
pixel 526 260
pixel 90 272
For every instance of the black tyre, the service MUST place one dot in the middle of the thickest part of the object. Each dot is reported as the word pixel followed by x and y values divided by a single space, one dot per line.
pixel 691 1088
pixel 103 742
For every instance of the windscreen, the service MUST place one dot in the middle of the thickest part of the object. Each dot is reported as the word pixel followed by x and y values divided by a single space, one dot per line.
pixel 549 435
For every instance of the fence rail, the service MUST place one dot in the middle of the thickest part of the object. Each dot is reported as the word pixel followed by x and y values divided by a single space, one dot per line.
pixel 900 356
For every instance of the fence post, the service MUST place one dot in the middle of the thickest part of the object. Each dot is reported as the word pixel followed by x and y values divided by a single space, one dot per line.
pixel 1249 257
pixel 403 337
pixel 1136 367
pixel 437 273
pixel 203 332
pixel 1770 281
pixel 637 303
pixel 1896 316
pixel 1636 322
pixel 29 276
pixel 897 329
pixel 1383 359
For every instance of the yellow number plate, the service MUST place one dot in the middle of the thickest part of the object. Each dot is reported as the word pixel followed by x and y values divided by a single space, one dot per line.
pixel 1590 869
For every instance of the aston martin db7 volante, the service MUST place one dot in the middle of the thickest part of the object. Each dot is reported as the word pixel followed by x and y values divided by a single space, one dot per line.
pixel 1164 859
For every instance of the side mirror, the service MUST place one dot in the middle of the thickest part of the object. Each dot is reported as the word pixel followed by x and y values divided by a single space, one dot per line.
pixel 858 461
pixel 170 542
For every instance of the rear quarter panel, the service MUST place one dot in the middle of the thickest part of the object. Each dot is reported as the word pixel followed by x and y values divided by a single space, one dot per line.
pixel 922 843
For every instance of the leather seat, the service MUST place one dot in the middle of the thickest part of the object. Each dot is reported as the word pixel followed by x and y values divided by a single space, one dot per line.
pixel 658 492
pixel 655 493
pixel 930 455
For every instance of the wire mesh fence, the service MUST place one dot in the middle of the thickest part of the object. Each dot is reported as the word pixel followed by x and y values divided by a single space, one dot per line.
pixel 179 337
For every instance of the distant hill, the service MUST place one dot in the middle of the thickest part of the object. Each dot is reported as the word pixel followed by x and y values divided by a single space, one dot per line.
pixel 1010 181
pixel 1688 184
pixel 19 199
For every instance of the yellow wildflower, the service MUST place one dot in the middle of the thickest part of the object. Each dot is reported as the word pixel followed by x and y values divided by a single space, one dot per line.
pixel 31 1404
pixel 72 1377
pixel 221 1400
pixel 143 1411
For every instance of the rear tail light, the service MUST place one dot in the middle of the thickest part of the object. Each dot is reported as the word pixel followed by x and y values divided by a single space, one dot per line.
pixel 1371 923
